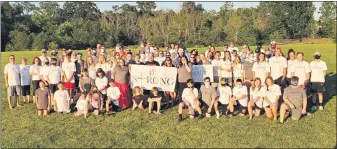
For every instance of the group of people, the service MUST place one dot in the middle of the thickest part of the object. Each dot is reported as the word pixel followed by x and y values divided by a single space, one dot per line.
pixel 245 81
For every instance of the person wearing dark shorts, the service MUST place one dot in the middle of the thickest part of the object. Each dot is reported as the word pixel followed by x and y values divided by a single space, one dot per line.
pixel 295 99
pixel 240 97
pixel 25 80
pixel 34 71
pixel 208 96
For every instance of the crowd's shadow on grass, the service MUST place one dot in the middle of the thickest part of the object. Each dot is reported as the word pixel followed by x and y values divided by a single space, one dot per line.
pixel 330 90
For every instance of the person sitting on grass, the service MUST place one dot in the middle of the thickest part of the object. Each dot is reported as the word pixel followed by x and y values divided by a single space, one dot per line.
pixel 154 97
pixel 240 94
pixel 295 99
pixel 189 100
pixel 82 105
pixel 61 99
pixel 42 99
pixel 224 93
pixel 271 98
pixel 137 98
pixel 208 96
pixel 256 98
pixel 113 95
pixel 95 99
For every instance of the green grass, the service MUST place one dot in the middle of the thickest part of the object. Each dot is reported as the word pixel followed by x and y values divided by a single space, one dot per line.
pixel 22 127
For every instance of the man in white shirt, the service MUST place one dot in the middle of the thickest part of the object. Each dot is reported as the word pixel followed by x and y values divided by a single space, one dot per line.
pixel 278 68
pixel 12 81
pixel 318 73
pixel 25 80
pixel 240 97
pixel 302 70
pixel 44 56
pixel 216 63
pixel 68 71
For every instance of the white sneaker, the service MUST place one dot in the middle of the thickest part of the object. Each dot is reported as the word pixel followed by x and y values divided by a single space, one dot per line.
pixel 217 116
pixel 320 107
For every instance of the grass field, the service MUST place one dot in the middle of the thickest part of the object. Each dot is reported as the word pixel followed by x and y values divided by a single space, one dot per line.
pixel 22 127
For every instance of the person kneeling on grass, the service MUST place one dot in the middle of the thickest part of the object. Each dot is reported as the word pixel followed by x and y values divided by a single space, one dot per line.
pixel 137 98
pixel 239 93
pixel 189 100
pixel 61 100
pixel 42 99
pixel 224 93
pixel 82 105
pixel 113 95
pixel 208 96
pixel 295 99
pixel 256 98
pixel 96 100
pixel 271 98
pixel 154 97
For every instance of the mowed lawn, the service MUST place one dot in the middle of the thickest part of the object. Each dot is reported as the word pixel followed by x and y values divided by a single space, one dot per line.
pixel 22 127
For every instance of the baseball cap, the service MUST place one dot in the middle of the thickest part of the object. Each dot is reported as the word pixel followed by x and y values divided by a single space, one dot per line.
pixel 317 53
pixel 43 51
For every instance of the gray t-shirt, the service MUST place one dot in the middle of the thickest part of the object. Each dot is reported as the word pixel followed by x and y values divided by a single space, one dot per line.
pixel 42 96
pixel 248 67
pixel 207 94
pixel 295 95
pixel 121 74
pixel 86 83
pixel 183 74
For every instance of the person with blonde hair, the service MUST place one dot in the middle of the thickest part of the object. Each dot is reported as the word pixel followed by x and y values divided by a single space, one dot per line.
pixel 121 76
pixel 82 106
pixel 91 67
pixel 237 68
pixel 271 98
pixel 256 98
pixel 102 64
pixel 137 98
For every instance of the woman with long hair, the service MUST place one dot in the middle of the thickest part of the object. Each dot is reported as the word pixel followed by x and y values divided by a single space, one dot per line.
pixel 102 64
pixel 91 67
pixel 271 98
pixel 171 96
pixel 237 68
pixel 261 68
pixel 291 59
pixel 34 71
pixel 203 60
pixel 227 69
pixel 256 98
pixel 184 73
pixel 121 76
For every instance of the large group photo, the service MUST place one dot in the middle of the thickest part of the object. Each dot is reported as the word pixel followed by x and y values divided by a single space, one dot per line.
pixel 269 90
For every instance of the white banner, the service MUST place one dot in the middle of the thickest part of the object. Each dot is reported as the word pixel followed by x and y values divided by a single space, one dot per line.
pixel 146 77
pixel 199 72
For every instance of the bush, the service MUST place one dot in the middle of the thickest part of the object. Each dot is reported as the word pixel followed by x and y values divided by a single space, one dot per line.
pixel 53 45
pixel 20 41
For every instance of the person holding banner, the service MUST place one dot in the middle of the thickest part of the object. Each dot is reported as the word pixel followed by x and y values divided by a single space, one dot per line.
pixel 151 61
pixel 261 68
pixel 121 76
pixel 208 96
pixel 170 95
pixel 184 73
pixel 189 100
pixel 226 68
pixel 137 60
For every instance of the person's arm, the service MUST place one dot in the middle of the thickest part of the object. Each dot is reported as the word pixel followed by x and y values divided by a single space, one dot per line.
pixel 285 66
pixel 49 101
pixel 6 77
pixel 80 85
pixel 188 68
pixel 267 70
pixel 253 70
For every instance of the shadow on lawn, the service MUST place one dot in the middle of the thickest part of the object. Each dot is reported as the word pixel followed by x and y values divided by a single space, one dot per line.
pixel 330 90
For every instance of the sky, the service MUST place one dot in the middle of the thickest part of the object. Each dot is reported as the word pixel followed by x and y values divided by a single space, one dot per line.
pixel 103 6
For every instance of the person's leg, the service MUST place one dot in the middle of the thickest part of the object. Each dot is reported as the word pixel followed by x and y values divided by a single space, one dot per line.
pixel 107 106
pixel 250 111
pixel 134 105
pixel 216 108
pixel 268 112
pixel 158 106
pixel 283 110
pixel 274 110
pixel 257 112
pixel 9 94
pixel 320 100
pixel 150 106
pixel 39 112
pixel 140 105
pixel 45 112
pixel 231 108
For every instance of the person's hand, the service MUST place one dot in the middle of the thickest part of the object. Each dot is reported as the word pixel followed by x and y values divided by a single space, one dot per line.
pixel 209 110
pixel 68 80
pixel 292 106
pixel 304 111
pixel 7 85
pixel 251 103
pixel 306 82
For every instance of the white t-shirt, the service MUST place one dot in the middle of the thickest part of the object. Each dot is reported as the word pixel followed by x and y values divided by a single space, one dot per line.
pixel 25 76
pixel 271 93
pixel 69 68
pixel 160 60
pixel 42 59
pixel 61 98
pixel 187 95
pixel 226 65
pixel 54 75
pixel 300 69
pixel 290 65
pixel 13 71
pixel 35 69
pixel 224 94
pixel 230 49
pixel 241 91
pixel 81 104
pixel 113 93
pixel 258 93
pixel 317 69
pixel 261 70
pixel 277 64
pixel 44 71
pixel 215 64
pixel 238 69
pixel 100 83
pixel 92 72
pixel 105 67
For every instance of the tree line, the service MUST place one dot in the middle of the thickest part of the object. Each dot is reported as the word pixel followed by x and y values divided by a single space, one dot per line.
pixel 79 25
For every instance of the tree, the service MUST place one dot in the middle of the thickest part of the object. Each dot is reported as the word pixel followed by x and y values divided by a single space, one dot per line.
pixel 327 20
pixel 146 7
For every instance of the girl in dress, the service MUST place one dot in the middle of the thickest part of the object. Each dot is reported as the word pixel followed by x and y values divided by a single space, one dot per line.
pixel 42 99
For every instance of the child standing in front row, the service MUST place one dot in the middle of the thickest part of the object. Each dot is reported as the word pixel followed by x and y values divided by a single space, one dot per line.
pixel 154 97
pixel 42 99
pixel 82 106
pixel 61 99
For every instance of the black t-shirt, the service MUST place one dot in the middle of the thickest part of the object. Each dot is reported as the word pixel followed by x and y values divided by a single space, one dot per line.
pixel 138 98
pixel 152 63
pixel 140 63
pixel 153 96
pixel 130 62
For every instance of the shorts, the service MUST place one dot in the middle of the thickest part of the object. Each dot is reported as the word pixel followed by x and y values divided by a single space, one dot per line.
pixel 77 81
pixel 69 85
pixel 257 107
pixel 278 81
pixel 14 90
pixel 25 90
pixel 242 108
pixel 317 87
pixel 295 113
pixel 35 85
pixel 53 88
pixel 205 105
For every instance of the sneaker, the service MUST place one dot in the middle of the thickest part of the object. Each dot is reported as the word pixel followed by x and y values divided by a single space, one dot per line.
pixel 180 119
pixel 279 122
pixel 320 107
pixel 236 112
pixel 217 116
pixel 313 108
pixel 200 117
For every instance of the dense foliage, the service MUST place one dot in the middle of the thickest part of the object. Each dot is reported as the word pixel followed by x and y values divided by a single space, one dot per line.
pixel 78 25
